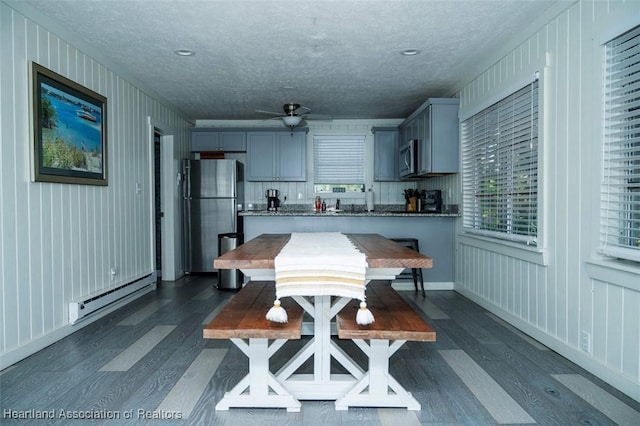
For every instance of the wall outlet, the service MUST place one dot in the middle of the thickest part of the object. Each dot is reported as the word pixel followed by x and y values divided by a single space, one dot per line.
pixel 585 341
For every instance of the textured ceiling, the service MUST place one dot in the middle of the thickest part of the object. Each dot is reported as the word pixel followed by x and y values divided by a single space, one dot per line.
pixel 339 58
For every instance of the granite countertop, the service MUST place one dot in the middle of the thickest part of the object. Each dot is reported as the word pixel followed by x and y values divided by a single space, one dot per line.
pixel 381 211
pixel 371 214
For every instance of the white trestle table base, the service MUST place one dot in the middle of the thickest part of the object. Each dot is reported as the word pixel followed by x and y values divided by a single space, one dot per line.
pixel 259 388
pixel 375 388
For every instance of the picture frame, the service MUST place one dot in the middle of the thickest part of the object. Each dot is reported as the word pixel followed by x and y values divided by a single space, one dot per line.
pixel 69 130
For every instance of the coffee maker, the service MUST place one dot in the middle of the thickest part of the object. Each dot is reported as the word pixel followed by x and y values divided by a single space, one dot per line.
pixel 432 201
pixel 273 202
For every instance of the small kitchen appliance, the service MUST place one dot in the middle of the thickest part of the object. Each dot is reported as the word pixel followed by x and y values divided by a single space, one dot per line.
pixel 432 201
pixel 409 159
pixel 273 202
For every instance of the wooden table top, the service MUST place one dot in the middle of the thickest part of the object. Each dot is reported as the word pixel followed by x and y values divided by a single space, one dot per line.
pixel 381 252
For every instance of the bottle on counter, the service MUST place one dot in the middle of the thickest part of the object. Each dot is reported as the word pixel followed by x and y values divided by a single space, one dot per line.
pixel 369 200
pixel 318 204
pixel 338 204
pixel 324 206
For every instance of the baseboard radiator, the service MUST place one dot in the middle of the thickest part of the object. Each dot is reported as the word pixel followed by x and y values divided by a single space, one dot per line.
pixel 93 303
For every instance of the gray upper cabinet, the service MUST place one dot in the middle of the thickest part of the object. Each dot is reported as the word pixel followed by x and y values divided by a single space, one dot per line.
pixel 276 156
pixel 439 149
pixel 435 124
pixel 233 141
pixel 292 161
pixel 218 140
pixel 261 155
pixel 385 154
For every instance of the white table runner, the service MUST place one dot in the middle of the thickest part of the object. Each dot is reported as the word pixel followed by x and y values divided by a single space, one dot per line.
pixel 320 264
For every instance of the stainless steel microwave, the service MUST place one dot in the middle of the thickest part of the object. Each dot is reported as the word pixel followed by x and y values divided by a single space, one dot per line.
pixel 409 159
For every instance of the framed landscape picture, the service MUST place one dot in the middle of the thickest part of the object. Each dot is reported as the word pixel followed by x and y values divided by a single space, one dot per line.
pixel 69 130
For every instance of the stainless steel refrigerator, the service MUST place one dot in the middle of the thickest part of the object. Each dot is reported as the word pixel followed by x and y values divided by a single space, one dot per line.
pixel 212 192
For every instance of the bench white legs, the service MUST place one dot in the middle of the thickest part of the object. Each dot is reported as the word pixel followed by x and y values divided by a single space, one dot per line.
pixel 259 388
pixel 378 388
pixel 357 388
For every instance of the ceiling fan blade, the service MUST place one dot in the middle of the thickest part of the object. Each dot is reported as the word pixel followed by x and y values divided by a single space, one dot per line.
pixel 301 110
pixel 279 114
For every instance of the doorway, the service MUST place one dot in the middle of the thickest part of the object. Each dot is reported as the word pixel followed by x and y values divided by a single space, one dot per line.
pixel 157 170
pixel 164 202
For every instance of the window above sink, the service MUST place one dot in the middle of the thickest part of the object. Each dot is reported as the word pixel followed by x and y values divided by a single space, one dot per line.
pixel 338 164
pixel 338 189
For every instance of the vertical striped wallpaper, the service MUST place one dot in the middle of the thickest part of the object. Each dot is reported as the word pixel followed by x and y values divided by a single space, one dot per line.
pixel 552 295
pixel 58 242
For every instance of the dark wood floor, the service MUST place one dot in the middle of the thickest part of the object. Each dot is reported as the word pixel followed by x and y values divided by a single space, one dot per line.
pixel 149 359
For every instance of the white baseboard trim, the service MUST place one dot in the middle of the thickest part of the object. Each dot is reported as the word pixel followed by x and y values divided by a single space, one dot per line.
pixel 9 358
pixel 574 354
pixel 408 285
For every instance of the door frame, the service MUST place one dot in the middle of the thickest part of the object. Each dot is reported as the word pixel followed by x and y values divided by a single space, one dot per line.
pixel 169 190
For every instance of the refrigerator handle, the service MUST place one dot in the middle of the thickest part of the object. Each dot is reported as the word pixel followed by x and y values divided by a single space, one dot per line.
pixel 234 216
pixel 187 236
pixel 186 180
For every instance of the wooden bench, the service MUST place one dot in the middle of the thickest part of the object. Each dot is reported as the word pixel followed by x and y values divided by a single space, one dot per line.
pixel 396 322
pixel 243 321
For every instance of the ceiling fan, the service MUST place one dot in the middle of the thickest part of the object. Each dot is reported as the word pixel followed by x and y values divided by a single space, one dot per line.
pixel 294 115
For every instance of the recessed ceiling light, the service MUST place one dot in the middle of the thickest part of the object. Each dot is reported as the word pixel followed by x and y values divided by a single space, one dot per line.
pixel 410 52
pixel 184 52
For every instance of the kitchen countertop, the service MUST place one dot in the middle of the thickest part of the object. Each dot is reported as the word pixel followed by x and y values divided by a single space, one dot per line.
pixel 344 213
pixel 435 232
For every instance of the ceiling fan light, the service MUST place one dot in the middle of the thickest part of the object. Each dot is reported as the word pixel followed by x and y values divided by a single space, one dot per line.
pixel 291 120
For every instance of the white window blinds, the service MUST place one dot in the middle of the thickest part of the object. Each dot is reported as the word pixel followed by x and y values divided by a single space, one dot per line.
pixel 620 198
pixel 338 159
pixel 500 168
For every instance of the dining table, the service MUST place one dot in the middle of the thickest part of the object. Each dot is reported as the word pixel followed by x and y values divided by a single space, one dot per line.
pixel 385 260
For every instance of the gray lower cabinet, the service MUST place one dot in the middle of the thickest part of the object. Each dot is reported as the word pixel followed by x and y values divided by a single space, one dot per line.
pixel 385 154
pixel 204 140
pixel 436 234
pixel 276 156
pixel 435 124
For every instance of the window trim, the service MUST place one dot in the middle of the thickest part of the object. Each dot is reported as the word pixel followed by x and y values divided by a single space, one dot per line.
pixel 623 273
pixel 505 238
pixel 612 251
pixel 530 254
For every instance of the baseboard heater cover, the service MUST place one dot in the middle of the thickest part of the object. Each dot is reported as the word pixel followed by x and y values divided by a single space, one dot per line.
pixel 79 310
